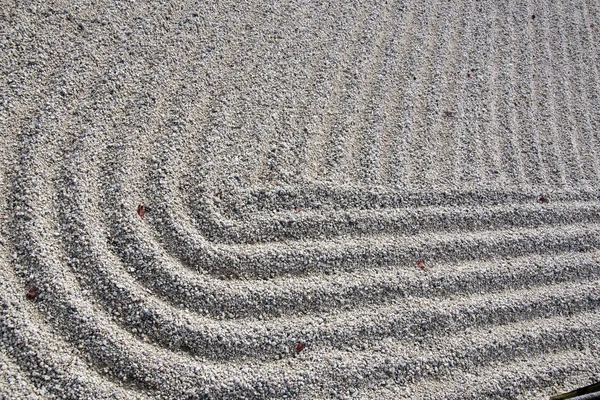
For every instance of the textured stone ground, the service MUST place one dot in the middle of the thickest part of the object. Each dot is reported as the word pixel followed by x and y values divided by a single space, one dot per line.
pixel 299 199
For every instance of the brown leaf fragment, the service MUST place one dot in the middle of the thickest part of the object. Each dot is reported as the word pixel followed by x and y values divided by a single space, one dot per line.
pixel 142 210
pixel 32 293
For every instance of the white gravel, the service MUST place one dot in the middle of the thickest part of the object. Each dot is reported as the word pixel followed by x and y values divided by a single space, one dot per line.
pixel 342 200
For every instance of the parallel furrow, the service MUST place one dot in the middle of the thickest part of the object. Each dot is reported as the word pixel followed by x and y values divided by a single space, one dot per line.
pixel 358 81
pixel 479 110
pixel 58 289
pixel 589 89
pixel 12 381
pixel 526 101
pixel 510 129
pixel 494 151
pixel 327 197
pixel 362 159
pixel 309 93
pixel 336 125
pixel 466 164
pixel 417 117
pixel 474 348
pixel 147 319
pixel 424 112
pixel 44 359
pixel 567 126
pixel 348 253
pixel 401 165
pixel 317 292
pixel 574 333
pixel 545 121
pixel 394 130
pixel 264 227
pixel 440 161
pixel 507 380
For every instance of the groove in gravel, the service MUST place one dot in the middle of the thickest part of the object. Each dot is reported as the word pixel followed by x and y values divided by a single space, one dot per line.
pixel 273 297
pixel 44 357
pixel 567 127
pixel 394 130
pixel 530 378
pixel 475 348
pixel 348 253
pixel 125 303
pixel 14 382
pixel 589 88
pixel 320 196
pixel 286 225
pixel 530 146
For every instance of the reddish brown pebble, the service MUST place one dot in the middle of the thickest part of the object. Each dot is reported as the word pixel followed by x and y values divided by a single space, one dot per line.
pixel 421 264
pixel 141 210
pixel 300 347
pixel 533 17
pixel 468 75
pixel 32 293
pixel 543 199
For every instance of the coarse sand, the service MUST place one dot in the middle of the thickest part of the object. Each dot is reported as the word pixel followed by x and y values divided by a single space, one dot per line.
pixel 299 199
